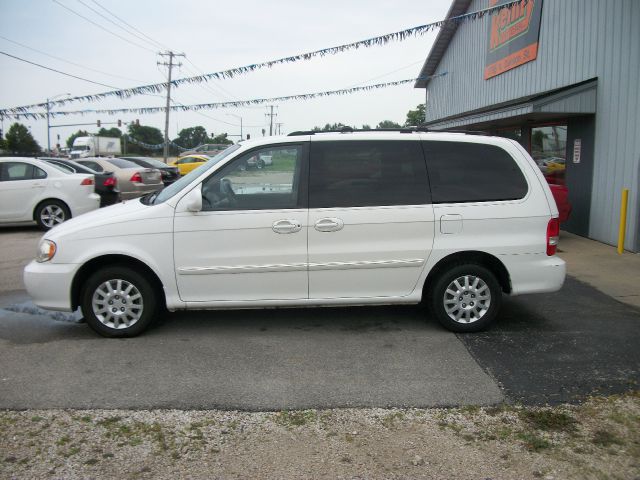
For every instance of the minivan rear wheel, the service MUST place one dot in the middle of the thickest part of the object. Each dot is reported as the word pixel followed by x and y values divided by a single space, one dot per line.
pixel 118 302
pixel 465 298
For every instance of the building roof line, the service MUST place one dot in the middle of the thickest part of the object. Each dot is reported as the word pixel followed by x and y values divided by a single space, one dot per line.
pixel 446 33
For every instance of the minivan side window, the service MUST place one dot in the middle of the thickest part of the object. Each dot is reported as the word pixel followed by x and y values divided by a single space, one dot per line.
pixel 367 173
pixel 242 186
pixel 472 172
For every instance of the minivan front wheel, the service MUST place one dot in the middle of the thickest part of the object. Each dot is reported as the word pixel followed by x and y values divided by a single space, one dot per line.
pixel 118 302
pixel 465 298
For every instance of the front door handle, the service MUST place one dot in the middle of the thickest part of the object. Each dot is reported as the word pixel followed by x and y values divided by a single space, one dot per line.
pixel 286 226
pixel 329 224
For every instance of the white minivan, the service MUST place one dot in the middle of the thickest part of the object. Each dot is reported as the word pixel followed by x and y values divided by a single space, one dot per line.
pixel 350 218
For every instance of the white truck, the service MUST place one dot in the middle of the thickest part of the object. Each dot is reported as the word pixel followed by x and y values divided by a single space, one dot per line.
pixel 95 146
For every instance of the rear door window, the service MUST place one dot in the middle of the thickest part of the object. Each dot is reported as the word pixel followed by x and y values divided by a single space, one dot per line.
pixel 367 173
pixel 472 172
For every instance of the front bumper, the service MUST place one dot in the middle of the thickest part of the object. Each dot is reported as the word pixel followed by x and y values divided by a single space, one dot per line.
pixel 49 284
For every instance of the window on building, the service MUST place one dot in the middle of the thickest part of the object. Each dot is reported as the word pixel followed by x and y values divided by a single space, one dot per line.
pixel 367 173
pixel 472 172
pixel 548 149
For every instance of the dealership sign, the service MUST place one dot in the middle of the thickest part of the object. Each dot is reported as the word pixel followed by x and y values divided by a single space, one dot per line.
pixel 513 36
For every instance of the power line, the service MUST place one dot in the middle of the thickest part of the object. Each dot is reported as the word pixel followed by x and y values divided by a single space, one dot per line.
pixel 131 26
pixel 116 24
pixel 57 71
pixel 68 61
pixel 103 28
pixel 229 73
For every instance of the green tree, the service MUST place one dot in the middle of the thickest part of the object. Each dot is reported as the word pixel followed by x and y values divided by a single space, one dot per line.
pixel 20 140
pixel 329 127
pixel 415 117
pixel 79 133
pixel 3 144
pixel 221 139
pixel 192 137
pixel 144 134
pixel 112 132
pixel 388 124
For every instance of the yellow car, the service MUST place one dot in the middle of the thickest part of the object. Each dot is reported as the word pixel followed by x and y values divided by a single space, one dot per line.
pixel 188 163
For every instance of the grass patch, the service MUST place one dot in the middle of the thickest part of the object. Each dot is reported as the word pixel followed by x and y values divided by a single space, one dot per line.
pixel 296 418
pixel 390 419
pixel 604 438
pixel 533 442
pixel 549 421
pixel 63 440
pixel 37 418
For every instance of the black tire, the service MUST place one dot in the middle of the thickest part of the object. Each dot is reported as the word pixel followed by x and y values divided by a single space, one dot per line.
pixel 50 213
pixel 469 304
pixel 138 312
pixel 260 164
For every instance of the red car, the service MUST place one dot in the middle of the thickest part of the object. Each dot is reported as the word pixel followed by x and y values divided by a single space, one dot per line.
pixel 561 196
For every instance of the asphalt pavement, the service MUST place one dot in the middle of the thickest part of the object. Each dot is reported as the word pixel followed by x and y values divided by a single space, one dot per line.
pixel 544 349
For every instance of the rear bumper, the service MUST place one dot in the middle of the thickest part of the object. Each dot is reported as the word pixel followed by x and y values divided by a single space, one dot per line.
pixel 92 204
pixel 140 190
pixel 536 273
pixel 49 284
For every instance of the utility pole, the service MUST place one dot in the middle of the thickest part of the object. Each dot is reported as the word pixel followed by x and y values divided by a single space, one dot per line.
pixel 170 66
pixel 271 115
pixel 278 125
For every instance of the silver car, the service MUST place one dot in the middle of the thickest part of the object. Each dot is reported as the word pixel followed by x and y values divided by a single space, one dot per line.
pixel 133 180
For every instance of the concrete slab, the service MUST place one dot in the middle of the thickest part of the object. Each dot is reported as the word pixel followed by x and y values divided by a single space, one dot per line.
pixel 600 266
pixel 251 360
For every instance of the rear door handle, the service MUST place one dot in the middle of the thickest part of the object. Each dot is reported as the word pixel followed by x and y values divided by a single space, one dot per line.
pixel 286 226
pixel 329 224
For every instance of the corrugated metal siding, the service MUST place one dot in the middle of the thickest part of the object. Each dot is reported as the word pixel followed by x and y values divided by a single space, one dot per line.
pixel 579 40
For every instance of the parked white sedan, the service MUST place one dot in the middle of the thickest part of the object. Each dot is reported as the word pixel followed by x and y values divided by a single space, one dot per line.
pixel 33 190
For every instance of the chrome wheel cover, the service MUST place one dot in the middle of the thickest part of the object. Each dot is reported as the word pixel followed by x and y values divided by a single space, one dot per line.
pixel 117 304
pixel 467 299
pixel 52 215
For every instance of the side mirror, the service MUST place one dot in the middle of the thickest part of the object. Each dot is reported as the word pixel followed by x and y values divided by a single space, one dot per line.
pixel 193 200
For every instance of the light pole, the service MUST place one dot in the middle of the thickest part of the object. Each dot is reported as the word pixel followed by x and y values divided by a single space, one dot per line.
pixel 238 116
pixel 48 110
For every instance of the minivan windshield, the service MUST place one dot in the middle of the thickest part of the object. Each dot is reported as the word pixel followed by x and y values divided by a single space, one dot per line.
pixel 175 187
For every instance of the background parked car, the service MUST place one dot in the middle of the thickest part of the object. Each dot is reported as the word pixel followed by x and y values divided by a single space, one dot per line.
pixel 187 163
pixel 133 180
pixel 169 173
pixel 561 195
pixel 208 149
pixel 34 190
pixel 106 183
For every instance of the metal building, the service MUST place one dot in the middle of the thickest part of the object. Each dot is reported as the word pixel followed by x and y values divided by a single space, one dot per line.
pixel 563 78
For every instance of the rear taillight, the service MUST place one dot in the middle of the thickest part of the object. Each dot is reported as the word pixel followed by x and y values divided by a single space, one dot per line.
pixel 136 178
pixel 553 235
pixel 87 181
pixel 110 182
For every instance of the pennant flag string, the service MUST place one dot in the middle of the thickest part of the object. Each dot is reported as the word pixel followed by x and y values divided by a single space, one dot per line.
pixel 232 72
pixel 211 106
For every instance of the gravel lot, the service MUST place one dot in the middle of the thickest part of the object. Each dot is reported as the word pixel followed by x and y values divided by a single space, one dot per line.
pixel 599 439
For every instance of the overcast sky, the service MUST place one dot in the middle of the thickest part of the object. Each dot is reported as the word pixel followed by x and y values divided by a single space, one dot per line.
pixel 216 35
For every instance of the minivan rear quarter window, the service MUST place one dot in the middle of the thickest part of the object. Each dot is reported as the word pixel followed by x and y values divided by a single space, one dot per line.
pixel 367 173
pixel 472 172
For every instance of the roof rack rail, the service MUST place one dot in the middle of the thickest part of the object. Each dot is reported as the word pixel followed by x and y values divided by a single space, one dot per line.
pixel 352 130
pixel 467 132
